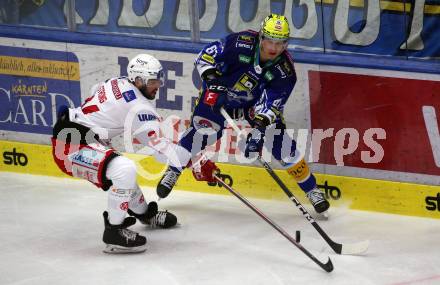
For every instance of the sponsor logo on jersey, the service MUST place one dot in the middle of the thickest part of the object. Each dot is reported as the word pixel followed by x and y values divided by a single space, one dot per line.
pixel 14 158
pixel 287 68
pixel 146 117
pixel 129 95
pixel 245 83
pixel 269 76
pixel 245 39
pixel 101 94
pixel 283 74
pixel 115 89
pixel 243 45
pixel 244 58
pixel 433 202
pixel 208 58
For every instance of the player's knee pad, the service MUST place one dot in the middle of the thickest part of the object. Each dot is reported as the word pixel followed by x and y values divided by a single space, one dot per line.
pixel 122 172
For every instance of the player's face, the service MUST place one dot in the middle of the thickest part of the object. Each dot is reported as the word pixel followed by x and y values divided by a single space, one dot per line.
pixel 149 89
pixel 152 87
pixel 270 49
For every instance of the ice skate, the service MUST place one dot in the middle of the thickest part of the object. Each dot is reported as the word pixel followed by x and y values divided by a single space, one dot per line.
pixel 155 218
pixel 167 182
pixel 119 239
pixel 163 219
pixel 318 201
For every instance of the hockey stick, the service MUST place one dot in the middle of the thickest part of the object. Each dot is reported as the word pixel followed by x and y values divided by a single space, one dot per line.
pixel 354 248
pixel 326 266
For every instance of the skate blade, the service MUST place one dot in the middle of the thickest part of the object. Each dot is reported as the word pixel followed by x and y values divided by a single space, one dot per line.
pixel 117 249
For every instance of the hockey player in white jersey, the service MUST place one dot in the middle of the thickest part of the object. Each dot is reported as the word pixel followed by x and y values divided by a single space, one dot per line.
pixel 81 149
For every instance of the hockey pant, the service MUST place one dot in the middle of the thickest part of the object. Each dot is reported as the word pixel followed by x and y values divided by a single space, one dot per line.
pixel 78 153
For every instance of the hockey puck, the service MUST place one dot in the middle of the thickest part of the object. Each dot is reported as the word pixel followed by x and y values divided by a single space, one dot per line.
pixel 298 236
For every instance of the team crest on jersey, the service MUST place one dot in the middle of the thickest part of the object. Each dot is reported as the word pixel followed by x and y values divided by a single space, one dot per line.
pixel 129 95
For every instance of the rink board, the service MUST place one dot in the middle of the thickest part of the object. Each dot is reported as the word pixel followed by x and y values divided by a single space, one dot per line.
pixel 354 193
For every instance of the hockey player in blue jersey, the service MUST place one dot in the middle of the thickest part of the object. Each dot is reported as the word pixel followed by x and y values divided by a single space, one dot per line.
pixel 251 75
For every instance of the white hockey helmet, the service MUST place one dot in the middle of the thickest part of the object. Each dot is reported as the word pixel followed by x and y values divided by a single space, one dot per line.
pixel 146 67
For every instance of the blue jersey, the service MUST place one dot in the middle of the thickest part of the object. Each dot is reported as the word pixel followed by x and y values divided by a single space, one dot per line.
pixel 266 87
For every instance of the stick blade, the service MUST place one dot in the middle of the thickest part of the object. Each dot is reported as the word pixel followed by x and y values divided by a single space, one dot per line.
pixel 327 266
pixel 355 248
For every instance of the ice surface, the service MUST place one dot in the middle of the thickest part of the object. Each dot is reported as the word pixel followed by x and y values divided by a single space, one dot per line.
pixel 50 233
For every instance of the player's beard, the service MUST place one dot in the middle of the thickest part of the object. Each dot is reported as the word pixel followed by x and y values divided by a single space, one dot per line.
pixel 149 96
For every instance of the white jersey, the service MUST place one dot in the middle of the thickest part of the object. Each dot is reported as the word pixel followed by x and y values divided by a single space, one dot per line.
pixel 116 107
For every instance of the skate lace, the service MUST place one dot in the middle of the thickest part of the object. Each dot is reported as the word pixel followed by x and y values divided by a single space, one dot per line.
pixel 169 178
pixel 159 219
pixel 129 235
pixel 315 196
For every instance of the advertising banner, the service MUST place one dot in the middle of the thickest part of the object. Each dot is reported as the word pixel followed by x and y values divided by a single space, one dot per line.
pixel 375 122
pixel 34 83
pixel 377 27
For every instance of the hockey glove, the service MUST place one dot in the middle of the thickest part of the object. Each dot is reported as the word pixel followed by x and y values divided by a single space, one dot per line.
pixel 260 122
pixel 215 96
pixel 216 91
pixel 204 170
pixel 254 142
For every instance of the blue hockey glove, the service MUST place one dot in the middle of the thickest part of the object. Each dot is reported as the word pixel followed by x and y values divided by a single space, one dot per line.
pixel 254 142
pixel 216 91
pixel 215 97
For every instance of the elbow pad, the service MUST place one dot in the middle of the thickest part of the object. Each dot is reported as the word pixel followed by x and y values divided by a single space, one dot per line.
pixel 210 74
